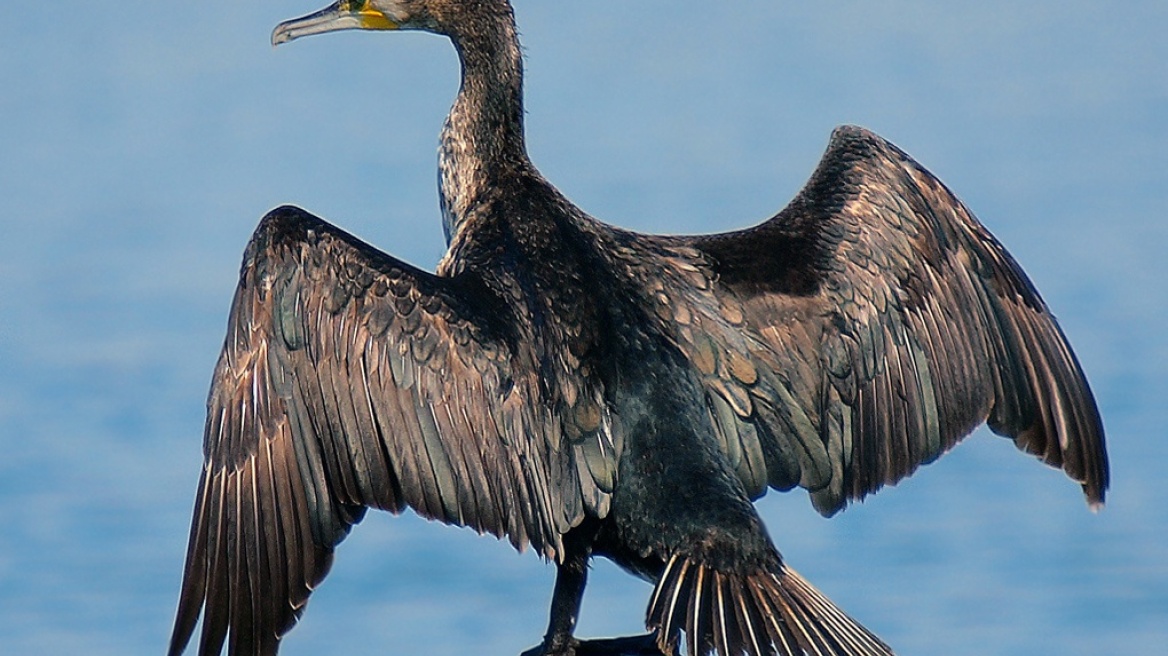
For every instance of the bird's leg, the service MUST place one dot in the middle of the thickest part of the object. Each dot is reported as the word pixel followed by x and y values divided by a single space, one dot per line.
pixel 571 576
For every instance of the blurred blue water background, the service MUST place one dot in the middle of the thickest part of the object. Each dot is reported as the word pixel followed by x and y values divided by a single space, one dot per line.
pixel 141 142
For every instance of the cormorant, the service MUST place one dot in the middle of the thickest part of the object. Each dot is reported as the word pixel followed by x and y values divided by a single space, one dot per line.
pixel 587 390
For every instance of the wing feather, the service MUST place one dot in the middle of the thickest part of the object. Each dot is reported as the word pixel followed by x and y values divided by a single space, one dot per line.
pixel 350 380
pixel 882 323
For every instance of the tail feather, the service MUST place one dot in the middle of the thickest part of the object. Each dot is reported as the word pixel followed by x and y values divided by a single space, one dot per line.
pixel 760 614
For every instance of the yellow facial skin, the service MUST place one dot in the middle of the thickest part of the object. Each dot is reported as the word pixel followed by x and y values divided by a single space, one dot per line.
pixel 372 19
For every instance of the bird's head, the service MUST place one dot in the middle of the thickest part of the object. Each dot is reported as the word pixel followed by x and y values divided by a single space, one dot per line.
pixel 438 16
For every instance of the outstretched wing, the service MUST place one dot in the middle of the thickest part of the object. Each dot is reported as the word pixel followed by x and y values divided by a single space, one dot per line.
pixel 351 380
pixel 867 328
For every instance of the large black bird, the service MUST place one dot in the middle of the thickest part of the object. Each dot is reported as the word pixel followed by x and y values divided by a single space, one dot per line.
pixel 587 390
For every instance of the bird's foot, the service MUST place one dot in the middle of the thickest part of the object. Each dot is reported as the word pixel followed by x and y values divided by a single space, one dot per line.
pixel 642 645
pixel 554 648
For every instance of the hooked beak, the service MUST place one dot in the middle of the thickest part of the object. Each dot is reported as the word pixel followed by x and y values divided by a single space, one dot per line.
pixel 341 15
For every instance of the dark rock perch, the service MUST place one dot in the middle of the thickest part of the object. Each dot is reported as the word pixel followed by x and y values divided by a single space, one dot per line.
pixel 645 645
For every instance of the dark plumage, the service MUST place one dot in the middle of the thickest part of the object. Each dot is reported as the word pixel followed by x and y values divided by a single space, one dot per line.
pixel 591 391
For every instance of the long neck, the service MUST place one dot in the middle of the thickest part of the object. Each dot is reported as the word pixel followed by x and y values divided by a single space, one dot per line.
pixel 483 135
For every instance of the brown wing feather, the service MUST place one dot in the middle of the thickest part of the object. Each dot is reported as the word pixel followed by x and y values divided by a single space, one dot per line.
pixel 351 380
pixel 879 323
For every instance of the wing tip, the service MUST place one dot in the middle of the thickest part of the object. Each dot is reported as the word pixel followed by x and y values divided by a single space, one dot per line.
pixel 179 641
pixel 1095 487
